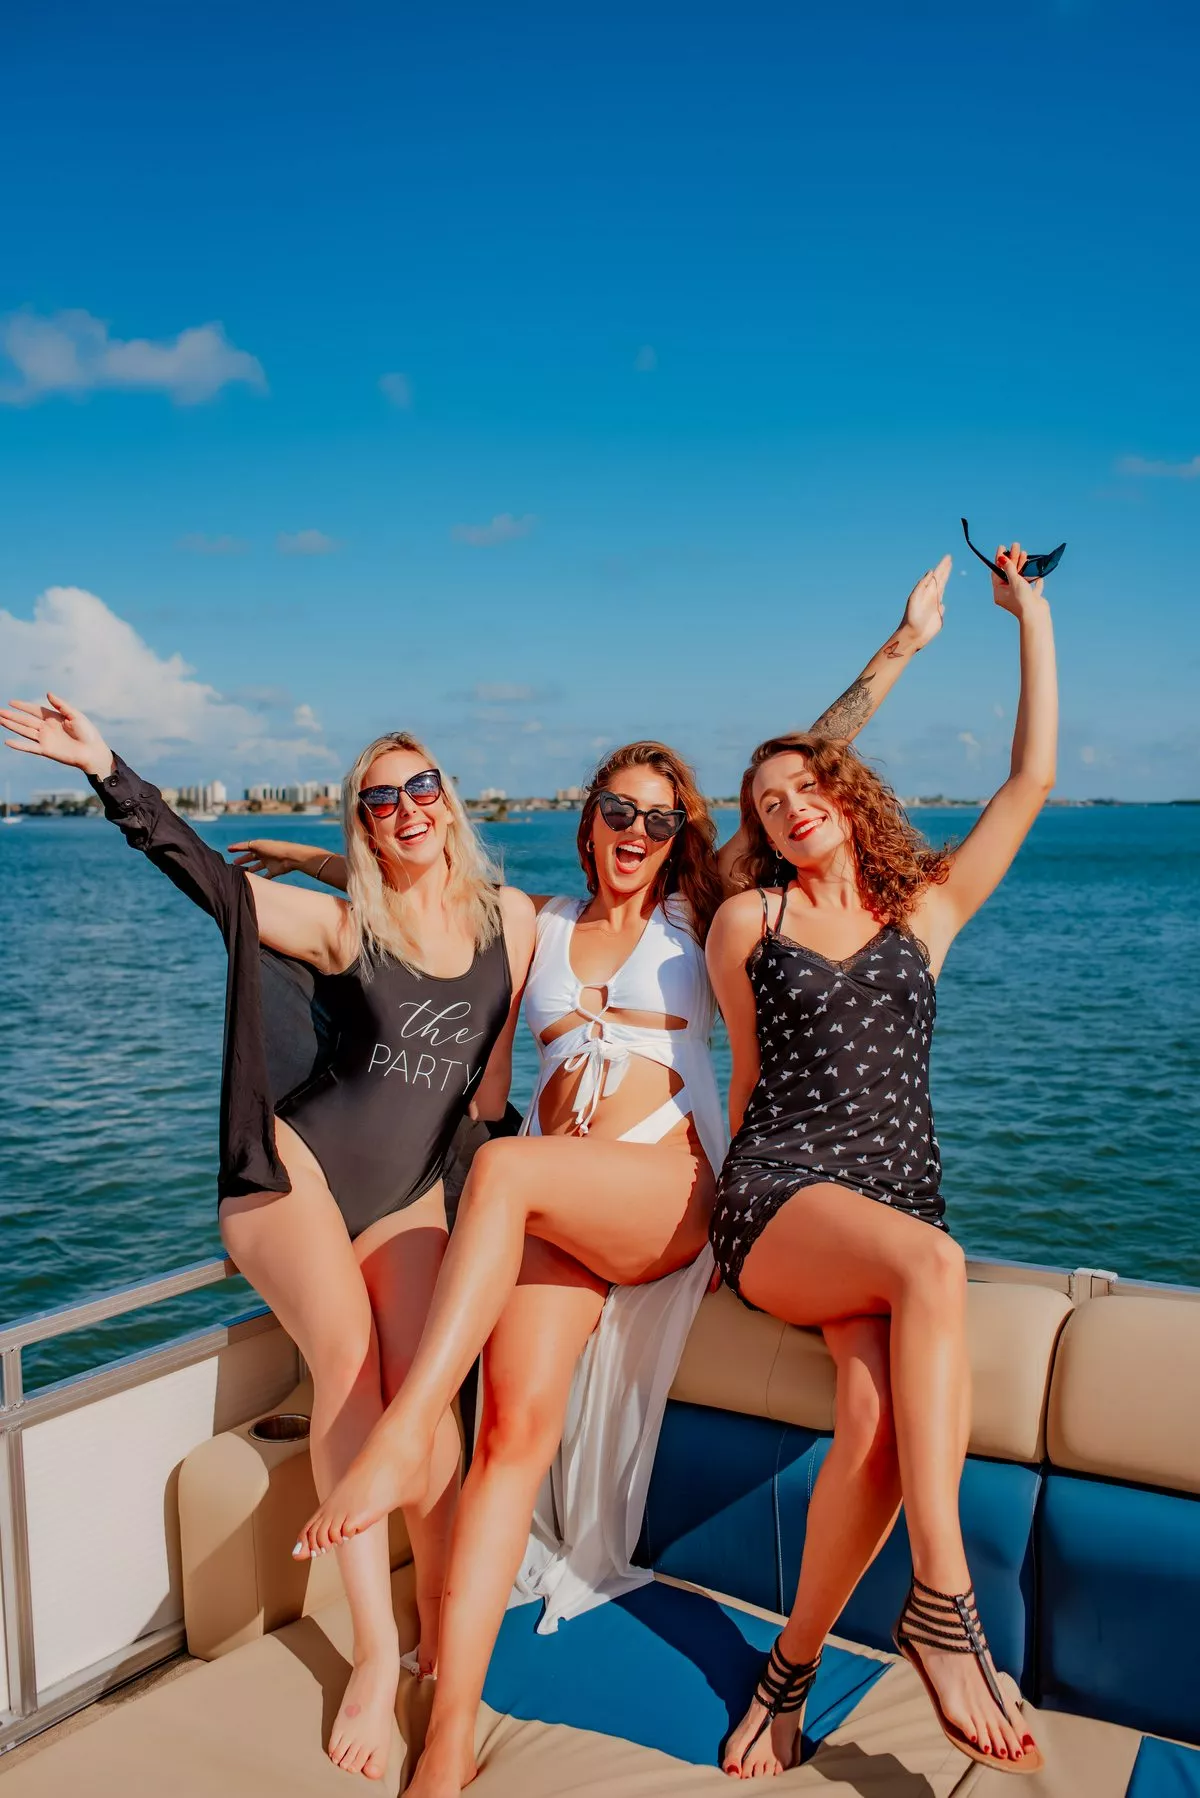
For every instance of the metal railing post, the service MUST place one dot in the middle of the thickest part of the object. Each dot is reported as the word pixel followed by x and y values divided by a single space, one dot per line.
pixel 14 1541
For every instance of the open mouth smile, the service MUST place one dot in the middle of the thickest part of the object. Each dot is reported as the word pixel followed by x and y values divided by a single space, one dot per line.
pixel 630 855
pixel 412 833
pixel 804 829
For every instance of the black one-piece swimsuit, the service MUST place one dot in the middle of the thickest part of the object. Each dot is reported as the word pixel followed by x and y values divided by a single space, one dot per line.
pixel 843 1088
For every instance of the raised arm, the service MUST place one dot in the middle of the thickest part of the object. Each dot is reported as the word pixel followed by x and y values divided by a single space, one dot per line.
pixel 311 926
pixel 273 856
pixel 735 930
pixel 922 620
pixel 981 862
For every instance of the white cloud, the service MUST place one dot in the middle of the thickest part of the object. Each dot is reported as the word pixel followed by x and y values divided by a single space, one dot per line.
pixel 1087 755
pixel 997 711
pixel 151 707
pixel 197 544
pixel 398 389
pixel 1177 471
pixel 971 744
pixel 646 360
pixel 304 718
pixel 73 353
pixel 502 529
pixel 305 543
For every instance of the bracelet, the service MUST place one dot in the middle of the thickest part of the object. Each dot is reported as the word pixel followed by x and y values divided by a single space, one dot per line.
pixel 321 864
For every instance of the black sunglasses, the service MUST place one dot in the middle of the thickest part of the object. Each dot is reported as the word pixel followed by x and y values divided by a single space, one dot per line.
pixel 422 788
pixel 1035 566
pixel 622 814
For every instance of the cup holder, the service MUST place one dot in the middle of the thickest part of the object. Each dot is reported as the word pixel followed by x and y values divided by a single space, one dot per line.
pixel 284 1426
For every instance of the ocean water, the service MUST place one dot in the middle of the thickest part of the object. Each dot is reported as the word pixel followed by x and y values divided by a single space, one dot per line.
pixel 1066 1064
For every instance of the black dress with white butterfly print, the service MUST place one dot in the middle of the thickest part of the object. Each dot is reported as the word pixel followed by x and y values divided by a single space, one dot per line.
pixel 843 1087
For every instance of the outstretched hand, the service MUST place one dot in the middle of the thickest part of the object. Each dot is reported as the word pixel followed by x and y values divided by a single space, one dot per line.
pixel 1015 595
pixel 262 856
pixel 925 610
pixel 57 731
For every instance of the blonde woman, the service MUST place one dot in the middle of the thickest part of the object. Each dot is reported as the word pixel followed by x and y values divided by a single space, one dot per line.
pixel 330 1194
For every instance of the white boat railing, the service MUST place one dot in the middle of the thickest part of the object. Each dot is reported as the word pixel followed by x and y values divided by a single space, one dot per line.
pixel 32 1707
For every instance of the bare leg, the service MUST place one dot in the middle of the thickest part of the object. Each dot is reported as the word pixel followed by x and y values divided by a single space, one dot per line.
pixel 295 1251
pixel 527 1369
pixel 401 1257
pixel 851 1514
pixel 628 1211
pixel 830 1255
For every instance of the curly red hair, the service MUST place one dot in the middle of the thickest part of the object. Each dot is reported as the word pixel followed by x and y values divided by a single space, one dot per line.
pixel 690 870
pixel 893 862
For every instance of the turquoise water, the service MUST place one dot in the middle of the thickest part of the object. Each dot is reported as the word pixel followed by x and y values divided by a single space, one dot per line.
pixel 1065 1074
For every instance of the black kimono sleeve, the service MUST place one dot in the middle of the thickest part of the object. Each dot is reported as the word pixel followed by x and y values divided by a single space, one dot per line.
pixel 249 1161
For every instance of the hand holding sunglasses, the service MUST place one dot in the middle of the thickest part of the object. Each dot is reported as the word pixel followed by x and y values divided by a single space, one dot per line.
pixel 1032 569
pixel 621 814
pixel 422 789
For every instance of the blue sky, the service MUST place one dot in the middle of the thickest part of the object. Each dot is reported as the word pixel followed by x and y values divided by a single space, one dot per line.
pixel 704 324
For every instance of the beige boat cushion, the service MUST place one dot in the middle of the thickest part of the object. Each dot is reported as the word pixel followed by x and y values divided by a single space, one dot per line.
pixel 253 1725
pixel 1084 1759
pixel 241 1506
pixel 1126 1394
pixel 742 1360
pixel 250 1725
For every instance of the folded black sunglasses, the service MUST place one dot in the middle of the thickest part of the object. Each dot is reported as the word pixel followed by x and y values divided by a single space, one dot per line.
pixel 1035 566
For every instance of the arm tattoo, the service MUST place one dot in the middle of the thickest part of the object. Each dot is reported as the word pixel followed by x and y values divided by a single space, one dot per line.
pixel 849 713
pixel 894 651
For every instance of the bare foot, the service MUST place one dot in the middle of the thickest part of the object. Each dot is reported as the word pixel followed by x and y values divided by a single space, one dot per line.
pixel 361 1738
pixel 969 1705
pixel 390 1470
pixel 447 1766
pixel 777 1748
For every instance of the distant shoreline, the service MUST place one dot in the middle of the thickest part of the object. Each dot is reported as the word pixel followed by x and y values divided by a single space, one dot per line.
pixel 490 812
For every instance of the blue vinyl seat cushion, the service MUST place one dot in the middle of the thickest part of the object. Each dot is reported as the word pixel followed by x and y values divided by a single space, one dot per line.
pixel 1165 1770
pixel 666 1668
pixel 711 1512
pixel 1120 1575
pixel 728 1508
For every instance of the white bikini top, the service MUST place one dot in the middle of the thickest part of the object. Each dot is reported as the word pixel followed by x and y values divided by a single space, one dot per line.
pixel 664 973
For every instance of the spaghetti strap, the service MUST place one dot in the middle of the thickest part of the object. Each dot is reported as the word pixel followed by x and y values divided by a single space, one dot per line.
pixel 762 893
pixel 782 909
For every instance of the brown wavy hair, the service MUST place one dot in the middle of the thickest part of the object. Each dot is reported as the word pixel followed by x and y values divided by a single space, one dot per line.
pixel 893 862
pixel 690 870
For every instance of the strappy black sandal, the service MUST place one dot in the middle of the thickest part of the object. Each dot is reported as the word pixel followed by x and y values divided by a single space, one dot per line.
pixel 950 1621
pixel 782 1689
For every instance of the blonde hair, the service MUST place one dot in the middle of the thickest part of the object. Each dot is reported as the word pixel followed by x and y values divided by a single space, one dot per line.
pixel 378 910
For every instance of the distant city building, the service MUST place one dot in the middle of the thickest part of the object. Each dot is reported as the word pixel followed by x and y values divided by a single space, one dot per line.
pixel 61 796
pixel 490 795
pixel 303 792
pixel 209 797
pixel 570 795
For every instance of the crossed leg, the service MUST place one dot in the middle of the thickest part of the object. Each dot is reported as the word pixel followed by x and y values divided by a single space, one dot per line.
pixel 629 1212
pixel 527 1369
pixel 850 1516
pixel 830 1255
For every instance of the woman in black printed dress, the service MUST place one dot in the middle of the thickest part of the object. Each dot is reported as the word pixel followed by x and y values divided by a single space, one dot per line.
pixel 824 966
